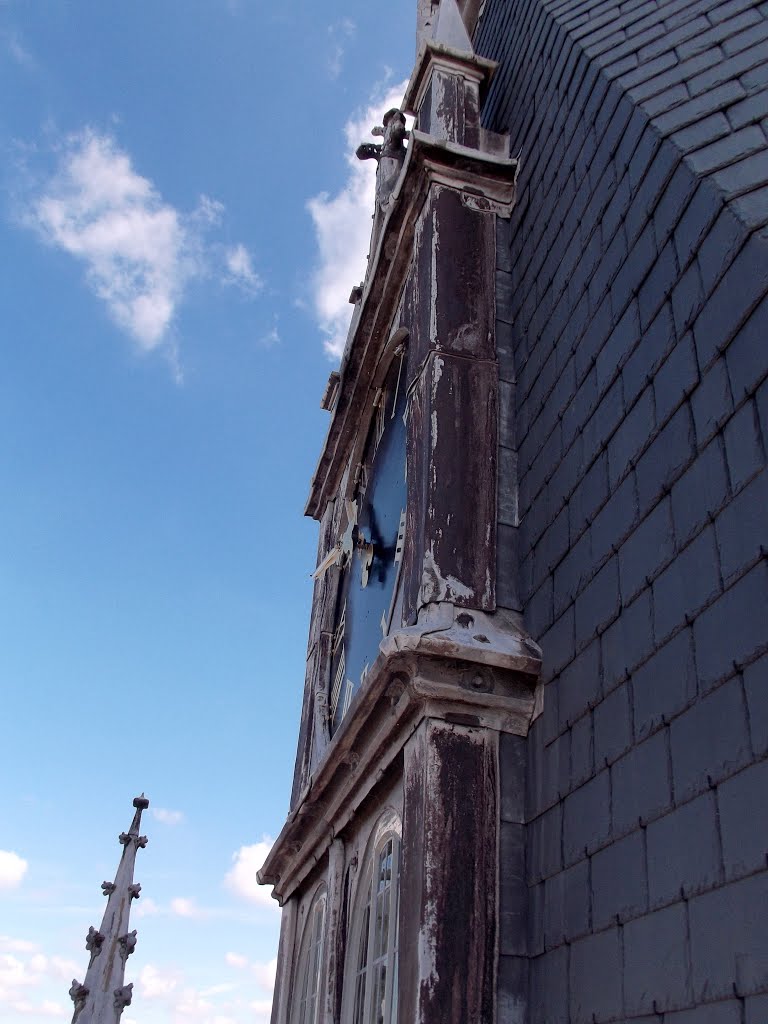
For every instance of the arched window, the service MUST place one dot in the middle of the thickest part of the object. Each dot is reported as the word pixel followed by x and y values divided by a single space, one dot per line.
pixel 307 991
pixel 374 978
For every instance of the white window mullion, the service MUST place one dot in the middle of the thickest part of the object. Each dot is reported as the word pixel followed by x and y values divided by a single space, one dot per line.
pixel 392 938
pixel 370 969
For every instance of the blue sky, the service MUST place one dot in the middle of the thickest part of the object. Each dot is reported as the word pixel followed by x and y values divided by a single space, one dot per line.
pixel 182 220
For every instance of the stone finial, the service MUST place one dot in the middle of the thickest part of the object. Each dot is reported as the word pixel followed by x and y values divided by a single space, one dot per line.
pixel 93 940
pixel 127 944
pixel 77 992
pixel 123 997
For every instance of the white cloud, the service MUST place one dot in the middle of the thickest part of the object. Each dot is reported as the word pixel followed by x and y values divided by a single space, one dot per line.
pixel 9 945
pixel 340 33
pixel 215 1004
pixel 193 1005
pixel 137 253
pixel 343 226
pixel 218 990
pixel 240 270
pixel 140 253
pixel 183 907
pixel 63 968
pixel 262 1008
pixel 155 983
pixel 15 973
pixel 147 907
pixel 20 54
pixel 46 1008
pixel 236 960
pixel 270 338
pixel 167 817
pixel 241 878
pixel 266 974
pixel 12 869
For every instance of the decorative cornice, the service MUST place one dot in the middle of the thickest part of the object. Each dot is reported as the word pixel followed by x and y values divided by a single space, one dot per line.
pixel 436 670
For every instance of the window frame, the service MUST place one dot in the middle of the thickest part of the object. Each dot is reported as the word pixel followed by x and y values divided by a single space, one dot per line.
pixel 363 932
pixel 307 947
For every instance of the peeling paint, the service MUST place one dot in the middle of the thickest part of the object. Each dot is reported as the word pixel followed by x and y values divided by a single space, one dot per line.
pixel 433 283
pixel 459 589
pixel 436 587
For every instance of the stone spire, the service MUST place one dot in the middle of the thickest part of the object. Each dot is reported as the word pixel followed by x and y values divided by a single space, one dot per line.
pixel 450 30
pixel 103 996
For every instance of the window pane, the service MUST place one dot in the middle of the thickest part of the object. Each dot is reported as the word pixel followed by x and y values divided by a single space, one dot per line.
pixel 379 991
pixel 376 964
pixel 310 963
pixel 362 966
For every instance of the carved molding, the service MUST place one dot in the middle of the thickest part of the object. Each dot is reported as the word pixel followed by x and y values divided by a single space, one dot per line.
pixel 432 671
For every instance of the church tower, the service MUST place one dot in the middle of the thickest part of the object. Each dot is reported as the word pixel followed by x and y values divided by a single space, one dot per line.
pixel 421 678
pixel 533 758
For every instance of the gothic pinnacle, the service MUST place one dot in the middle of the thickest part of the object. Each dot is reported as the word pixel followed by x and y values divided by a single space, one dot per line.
pixel 103 996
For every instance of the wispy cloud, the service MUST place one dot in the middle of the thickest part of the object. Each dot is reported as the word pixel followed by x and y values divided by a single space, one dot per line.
pixel 13 868
pixel 162 814
pixel 10 945
pixel 12 44
pixel 340 33
pixel 183 907
pixel 241 878
pixel 240 270
pixel 147 907
pixel 24 972
pixel 140 253
pixel 182 1001
pixel 343 225
pixel 271 337
pixel 158 983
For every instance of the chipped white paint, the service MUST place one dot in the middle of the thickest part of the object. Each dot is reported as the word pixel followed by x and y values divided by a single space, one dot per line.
pixel 488 592
pixel 436 587
pixel 433 281
pixel 459 589
pixel 434 429
pixel 437 372
pixel 444 125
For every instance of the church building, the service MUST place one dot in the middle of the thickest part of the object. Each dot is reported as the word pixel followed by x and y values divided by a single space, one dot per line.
pixel 532 764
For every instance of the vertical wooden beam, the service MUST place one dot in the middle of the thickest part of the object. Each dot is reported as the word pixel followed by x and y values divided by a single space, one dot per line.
pixel 285 963
pixel 334 935
pixel 449 875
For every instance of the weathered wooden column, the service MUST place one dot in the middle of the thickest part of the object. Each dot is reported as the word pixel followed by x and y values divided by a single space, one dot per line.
pixel 448 888
pixel 449 867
